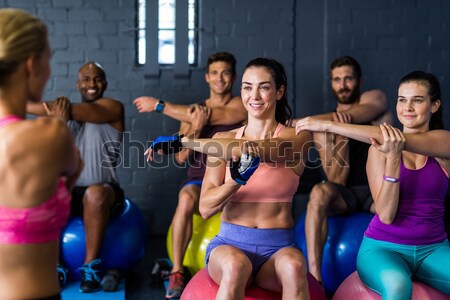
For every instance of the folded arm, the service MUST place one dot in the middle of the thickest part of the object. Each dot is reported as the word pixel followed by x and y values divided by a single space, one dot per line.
pixel 215 192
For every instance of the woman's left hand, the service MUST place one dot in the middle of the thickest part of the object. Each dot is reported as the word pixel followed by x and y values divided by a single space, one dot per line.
pixel 393 140
pixel 311 124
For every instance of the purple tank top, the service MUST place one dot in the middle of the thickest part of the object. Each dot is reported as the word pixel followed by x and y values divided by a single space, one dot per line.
pixel 420 214
pixel 197 164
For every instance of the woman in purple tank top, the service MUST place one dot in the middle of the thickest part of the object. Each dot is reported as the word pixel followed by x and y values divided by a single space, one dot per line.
pixel 39 163
pixel 408 177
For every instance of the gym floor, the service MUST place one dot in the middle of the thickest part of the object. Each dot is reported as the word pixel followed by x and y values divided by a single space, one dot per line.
pixel 139 285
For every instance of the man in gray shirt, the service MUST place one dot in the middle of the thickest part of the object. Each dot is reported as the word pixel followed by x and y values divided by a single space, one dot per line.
pixel 97 124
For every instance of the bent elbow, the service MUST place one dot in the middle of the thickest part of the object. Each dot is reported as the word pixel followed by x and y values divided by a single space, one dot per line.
pixel 386 219
pixel 205 212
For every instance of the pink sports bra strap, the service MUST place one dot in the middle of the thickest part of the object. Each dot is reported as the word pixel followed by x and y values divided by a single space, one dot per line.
pixel 9 119
pixel 240 131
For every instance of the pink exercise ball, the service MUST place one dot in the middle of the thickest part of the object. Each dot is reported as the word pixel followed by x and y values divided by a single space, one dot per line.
pixel 202 287
pixel 353 288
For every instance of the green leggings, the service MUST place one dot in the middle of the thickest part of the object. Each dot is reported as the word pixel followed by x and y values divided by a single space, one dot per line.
pixel 387 268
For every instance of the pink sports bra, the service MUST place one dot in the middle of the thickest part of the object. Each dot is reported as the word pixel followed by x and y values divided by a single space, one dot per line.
pixel 39 224
pixel 9 119
pixel 270 183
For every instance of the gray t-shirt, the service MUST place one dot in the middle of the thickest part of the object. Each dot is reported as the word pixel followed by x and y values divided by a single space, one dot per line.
pixel 99 146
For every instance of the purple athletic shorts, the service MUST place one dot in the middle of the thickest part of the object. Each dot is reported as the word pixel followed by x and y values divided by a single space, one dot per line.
pixel 258 244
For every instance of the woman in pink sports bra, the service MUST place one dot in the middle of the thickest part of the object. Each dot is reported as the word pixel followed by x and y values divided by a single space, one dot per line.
pixel 254 190
pixel 39 159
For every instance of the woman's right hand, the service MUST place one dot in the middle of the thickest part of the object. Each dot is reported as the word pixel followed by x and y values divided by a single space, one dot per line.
pixel 393 140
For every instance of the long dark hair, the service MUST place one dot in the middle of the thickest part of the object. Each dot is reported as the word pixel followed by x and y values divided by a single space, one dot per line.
pixel 434 91
pixel 283 112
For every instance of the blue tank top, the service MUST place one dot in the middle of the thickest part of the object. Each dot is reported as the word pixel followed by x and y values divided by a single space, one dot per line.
pixel 420 214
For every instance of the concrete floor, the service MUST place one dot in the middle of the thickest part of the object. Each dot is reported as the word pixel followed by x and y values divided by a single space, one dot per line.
pixel 139 285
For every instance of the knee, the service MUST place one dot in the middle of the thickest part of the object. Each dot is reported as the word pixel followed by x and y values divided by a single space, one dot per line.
pixel 236 270
pixel 320 197
pixel 187 203
pixel 292 267
pixel 98 196
pixel 399 287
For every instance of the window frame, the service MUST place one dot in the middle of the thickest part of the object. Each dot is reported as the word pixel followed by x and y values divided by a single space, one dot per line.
pixel 181 66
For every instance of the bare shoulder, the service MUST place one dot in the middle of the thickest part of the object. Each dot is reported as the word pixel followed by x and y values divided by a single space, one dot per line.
pixel 373 95
pixel 50 129
pixel 45 136
pixel 226 134
pixel 235 102
pixel 236 99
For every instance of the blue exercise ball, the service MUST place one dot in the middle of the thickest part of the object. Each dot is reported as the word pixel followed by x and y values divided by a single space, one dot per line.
pixel 344 238
pixel 123 245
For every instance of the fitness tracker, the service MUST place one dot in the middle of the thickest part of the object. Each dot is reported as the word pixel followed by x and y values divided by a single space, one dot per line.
pixel 160 106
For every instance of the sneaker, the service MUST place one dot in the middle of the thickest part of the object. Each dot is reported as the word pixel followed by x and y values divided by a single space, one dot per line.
pixel 63 274
pixel 177 283
pixel 90 279
pixel 111 280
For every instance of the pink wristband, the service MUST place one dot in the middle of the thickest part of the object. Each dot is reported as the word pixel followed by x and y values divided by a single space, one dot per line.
pixel 391 179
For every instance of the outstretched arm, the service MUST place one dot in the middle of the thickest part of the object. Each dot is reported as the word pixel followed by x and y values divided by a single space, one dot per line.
pixel 173 110
pixel 104 110
pixel 435 143
pixel 232 113
pixel 287 147
pixel 371 106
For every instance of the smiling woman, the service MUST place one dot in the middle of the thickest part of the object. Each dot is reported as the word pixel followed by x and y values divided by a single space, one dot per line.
pixel 255 210
pixel 408 178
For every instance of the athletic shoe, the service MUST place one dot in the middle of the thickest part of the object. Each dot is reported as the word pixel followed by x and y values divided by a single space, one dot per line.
pixel 111 280
pixel 90 279
pixel 177 283
pixel 63 274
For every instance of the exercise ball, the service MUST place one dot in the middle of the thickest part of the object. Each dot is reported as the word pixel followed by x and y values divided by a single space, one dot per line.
pixel 203 232
pixel 202 287
pixel 344 238
pixel 353 288
pixel 123 245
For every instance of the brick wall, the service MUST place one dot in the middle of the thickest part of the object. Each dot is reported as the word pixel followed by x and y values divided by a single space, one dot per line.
pixel 388 37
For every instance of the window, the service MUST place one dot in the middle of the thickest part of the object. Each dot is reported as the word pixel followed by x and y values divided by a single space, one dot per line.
pixel 169 31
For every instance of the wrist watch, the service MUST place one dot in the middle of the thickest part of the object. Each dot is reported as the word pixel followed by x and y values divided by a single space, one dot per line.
pixel 160 106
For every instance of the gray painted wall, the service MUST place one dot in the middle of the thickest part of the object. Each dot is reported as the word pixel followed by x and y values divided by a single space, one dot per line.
pixel 388 37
